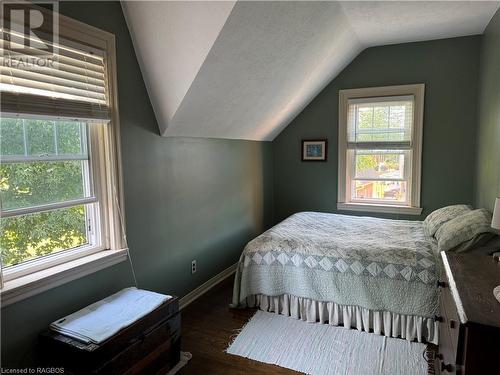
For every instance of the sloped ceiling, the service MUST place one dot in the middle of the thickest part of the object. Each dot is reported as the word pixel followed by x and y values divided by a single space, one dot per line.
pixel 244 70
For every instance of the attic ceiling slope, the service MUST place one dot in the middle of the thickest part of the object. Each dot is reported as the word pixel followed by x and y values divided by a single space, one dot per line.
pixel 244 70
pixel 171 40
pixel 268 61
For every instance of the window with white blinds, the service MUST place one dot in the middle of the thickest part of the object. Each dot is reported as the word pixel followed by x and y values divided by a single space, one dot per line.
pixel 69 84
pixel 379 148
pixel 60 176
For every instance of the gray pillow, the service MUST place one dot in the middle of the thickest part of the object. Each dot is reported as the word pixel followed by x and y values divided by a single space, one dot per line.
pixel 476 242
pixel 440 216
pixel 464 231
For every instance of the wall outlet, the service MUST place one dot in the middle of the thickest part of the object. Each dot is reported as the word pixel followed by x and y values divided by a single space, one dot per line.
pixel 193 266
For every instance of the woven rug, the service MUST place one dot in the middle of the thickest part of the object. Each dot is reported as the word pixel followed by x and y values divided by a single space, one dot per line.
pixel 324 349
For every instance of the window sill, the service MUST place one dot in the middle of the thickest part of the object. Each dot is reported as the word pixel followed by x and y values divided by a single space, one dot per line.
pixel 37 282
pixel 386 209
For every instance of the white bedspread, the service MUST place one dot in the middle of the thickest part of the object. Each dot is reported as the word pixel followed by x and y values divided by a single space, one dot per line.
pixel 378 265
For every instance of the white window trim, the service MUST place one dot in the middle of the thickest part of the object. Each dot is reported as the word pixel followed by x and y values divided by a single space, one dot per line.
pixel 60 268
pixel 418 91
pixel 34 283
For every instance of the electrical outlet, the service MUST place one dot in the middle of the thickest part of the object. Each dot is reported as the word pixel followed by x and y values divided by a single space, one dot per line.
pixel 193 266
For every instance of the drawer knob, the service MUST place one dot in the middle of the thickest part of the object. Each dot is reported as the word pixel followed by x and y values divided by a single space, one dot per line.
pixel 438 318
pixel 441 284
pixel 447 367
pixel 453 324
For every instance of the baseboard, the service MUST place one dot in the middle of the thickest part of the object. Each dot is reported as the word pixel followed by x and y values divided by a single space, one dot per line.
pixel 206 286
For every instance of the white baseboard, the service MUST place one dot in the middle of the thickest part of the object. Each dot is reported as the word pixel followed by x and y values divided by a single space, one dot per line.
pixel 206 286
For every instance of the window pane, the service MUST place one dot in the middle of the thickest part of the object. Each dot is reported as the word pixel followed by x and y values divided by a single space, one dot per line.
pixel 381 117
pixel 70 138
pixel 397 117
pixel 31 236
pixel 380 190
pixel 42 138
pixel 35 183
pixel 379 164
pixel 11 136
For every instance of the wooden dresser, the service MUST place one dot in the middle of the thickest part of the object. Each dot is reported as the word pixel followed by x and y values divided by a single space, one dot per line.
pixel 469 332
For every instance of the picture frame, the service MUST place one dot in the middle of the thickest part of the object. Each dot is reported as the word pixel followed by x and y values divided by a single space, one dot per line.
pixel 314 149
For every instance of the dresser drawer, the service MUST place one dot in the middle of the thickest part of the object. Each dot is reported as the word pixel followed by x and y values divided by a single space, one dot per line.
pixel 450 320
pixel 446 354
pixel 449 329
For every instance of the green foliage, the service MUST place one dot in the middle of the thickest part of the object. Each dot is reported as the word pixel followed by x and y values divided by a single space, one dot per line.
pixel 379 163
pixel 391 162
pixel 43 137
pixel 366 162
pixel 29 236
pixel 35 183
pixel 25 184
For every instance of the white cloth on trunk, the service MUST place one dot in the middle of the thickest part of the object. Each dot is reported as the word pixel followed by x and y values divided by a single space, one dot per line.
pixel 101 320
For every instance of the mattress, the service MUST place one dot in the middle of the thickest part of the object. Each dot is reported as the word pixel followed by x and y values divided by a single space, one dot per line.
pixel 372 274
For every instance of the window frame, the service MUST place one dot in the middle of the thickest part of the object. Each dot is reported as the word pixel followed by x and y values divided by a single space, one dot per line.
pixel 99 220
pixel 37 275
pixel 344 200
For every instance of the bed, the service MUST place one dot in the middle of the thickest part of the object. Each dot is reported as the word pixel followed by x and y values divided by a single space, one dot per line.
pixel 376 275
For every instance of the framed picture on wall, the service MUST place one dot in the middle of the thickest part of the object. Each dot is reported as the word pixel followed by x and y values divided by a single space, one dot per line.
pixel 314 150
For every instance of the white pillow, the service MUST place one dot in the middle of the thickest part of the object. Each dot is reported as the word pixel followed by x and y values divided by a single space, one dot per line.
pixel 464 229
pixel 440 216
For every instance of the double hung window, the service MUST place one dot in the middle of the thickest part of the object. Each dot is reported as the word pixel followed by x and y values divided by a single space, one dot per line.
pixel 61 197
pixel 380 136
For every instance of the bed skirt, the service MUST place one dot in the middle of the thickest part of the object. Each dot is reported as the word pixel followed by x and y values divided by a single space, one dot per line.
pixel 409 327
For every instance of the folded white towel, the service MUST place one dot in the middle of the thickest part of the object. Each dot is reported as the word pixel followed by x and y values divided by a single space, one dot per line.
pixel 101 320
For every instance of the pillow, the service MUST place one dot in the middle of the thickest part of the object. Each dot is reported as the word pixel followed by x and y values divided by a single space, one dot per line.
pixel 465 230
pixel 476 242
pixel 436 218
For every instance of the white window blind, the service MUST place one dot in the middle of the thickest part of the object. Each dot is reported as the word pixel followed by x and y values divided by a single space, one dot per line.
pixel 380 123
pixel 73 87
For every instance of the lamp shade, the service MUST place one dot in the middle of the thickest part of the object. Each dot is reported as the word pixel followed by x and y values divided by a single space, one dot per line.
pixel 495 223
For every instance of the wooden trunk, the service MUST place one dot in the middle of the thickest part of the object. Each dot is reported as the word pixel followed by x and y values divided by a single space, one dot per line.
pixel 150 345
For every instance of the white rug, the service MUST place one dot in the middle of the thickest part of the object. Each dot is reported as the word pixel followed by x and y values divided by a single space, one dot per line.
pixel 324 349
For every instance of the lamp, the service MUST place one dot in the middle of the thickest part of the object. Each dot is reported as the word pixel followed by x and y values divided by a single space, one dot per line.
pixel 495 222
pixel 495 225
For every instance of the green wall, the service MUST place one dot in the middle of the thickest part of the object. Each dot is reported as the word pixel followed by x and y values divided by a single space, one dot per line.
pixel 488 143
pixel 184 199
pixel 204 199
pixel 448 67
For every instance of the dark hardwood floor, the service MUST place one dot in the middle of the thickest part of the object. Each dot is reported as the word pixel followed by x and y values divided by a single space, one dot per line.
pixel 208 326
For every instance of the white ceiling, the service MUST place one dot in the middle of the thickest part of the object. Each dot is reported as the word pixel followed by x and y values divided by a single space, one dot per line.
pixel 244 70
pixel 388 22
